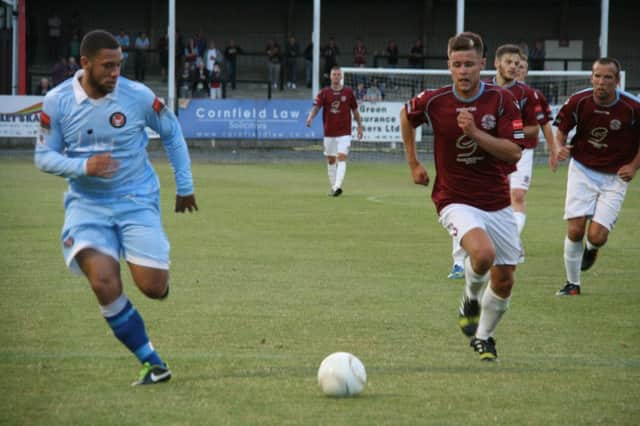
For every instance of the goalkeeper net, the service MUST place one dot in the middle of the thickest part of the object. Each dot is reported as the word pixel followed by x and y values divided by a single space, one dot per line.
pixel 382 93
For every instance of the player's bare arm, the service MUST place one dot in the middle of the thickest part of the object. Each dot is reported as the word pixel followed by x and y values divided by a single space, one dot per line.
pixel 530 131
pixel 548 135
pixel 186 202
pixel 500 148
pixel 358 118
pixel 418 172
pixel 628 171
pixel 312 115
pixel 102 165
pixel 563 151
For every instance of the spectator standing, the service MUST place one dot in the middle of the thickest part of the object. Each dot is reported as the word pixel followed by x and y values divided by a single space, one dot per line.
pixel 537 55
pixel 213 56
pixel 54 24
pixel 140 61
pixel 392 53
pixel 330 53
pixel 72 66
pixel 360 54
pixel 360 91
pixel 191 53
pixel 60 71
pixel 163 55
pixel 179 52
pixel 125 44
pixel 43 87
pixel 200 81
pixel 201 44
pixel 74 47
pixel 216 82
pixel 308 64
pixel 273 62
pixel 185 80
pixel 292 51
pixel 416 55
pixel 374 93
pixel 231 53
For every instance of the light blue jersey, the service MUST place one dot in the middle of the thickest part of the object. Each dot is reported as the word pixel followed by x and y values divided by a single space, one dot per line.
pixel 76 127
pixel 119 215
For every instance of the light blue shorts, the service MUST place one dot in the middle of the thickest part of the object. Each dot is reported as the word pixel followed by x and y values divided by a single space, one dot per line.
pixel 130 227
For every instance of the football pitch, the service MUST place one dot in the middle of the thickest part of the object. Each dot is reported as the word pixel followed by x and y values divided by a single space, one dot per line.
pixel 272 275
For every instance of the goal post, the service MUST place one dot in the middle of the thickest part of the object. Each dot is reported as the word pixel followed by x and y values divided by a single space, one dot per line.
pixel 382 93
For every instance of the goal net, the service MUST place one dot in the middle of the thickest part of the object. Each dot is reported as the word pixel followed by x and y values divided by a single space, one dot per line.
pixel 382 92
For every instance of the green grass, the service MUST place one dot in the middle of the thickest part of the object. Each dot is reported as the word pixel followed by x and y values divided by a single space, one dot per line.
pixel 271 275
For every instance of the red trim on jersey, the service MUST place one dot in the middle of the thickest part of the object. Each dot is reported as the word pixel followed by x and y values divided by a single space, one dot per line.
pixel 157 105
pixel 45 120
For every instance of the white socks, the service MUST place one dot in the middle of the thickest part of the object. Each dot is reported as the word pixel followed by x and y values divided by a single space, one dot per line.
pixel 572 260
pixel 115 307
pixel 331 171
pixel 521 218
pixel 492 307
pixel 473 281
pixel 340 172
pixel 457 252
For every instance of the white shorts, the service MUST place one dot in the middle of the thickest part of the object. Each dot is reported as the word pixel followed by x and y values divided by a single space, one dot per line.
pixel 521 178
pixel 500 225
pixel 593 194
pixel 336 145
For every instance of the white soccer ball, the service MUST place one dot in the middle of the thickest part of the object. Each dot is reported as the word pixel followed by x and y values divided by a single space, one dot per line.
pixel 342 374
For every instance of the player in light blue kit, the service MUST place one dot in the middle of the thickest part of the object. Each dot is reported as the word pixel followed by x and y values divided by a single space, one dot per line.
pixel 93 134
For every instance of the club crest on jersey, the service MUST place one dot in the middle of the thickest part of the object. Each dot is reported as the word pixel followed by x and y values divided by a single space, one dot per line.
pixel 615 124
pixel 343 98
pixel 118 120
pixel 488 121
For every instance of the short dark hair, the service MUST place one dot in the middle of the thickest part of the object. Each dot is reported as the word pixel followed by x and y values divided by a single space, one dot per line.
pixel 606 60
pixel 95 40
pixel 336 67
pixel 508 49
pixel 466 41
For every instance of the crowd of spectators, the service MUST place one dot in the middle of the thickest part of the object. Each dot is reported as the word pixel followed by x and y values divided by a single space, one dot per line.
pixel 204 70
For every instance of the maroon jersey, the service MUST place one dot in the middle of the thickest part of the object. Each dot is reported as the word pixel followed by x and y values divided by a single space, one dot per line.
pixel 465 173
pixel 336 110
pixel 543 110
pixel 607 137
pixel 528 102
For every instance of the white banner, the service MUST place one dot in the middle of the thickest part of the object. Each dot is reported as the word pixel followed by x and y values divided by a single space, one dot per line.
pixel 20 117
pixel 380 122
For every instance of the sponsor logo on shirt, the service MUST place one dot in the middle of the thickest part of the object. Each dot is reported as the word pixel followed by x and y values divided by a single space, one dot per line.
pixel 118 120
pixel 596 136
pixel 469 147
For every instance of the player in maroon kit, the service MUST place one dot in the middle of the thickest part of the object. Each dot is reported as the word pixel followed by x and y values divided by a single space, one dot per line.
pixel 507 63
pixel 605 155
pixel 543 111
pixel 478 139
pixel 337 103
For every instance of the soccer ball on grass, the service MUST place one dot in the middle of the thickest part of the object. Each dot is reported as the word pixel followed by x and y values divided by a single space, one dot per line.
pixel 342 374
